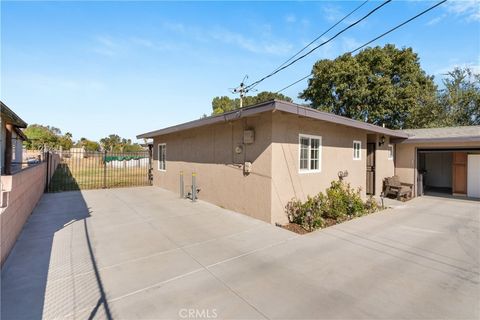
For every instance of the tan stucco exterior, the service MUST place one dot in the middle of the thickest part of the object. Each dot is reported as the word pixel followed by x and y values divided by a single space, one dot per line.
pixel 210 152
pixel 275 178
pixel 406 157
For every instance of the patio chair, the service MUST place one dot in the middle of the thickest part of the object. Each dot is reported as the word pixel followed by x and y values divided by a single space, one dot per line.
pixel 393 186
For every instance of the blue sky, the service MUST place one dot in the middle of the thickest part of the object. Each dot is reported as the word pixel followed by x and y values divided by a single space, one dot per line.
pixel 95 68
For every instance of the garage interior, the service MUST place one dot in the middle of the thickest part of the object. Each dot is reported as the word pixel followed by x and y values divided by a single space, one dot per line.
pixel 449 172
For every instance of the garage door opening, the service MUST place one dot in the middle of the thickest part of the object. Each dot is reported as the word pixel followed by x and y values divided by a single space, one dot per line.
pixel 436 170
pixel 449 172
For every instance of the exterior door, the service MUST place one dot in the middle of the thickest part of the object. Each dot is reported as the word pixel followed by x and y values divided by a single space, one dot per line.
pixel 459 172
pixel 371 168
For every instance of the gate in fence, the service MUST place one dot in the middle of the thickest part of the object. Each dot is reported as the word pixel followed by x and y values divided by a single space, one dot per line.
pixel 79 170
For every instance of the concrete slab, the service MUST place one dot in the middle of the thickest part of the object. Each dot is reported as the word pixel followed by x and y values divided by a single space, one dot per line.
pixel 143 253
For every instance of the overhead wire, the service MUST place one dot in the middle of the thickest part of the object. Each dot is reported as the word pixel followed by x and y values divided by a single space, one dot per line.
pixel 373 40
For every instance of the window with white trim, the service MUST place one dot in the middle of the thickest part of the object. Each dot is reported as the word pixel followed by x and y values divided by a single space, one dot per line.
pixel 310 153
pixel 162 156
pixel 390 152
pixel 357 150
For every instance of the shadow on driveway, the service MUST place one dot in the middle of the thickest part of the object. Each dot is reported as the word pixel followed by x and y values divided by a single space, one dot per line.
pixel 40 277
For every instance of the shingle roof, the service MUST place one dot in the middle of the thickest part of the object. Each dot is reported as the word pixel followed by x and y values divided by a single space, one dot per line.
pixel 447 134
pixel 273 105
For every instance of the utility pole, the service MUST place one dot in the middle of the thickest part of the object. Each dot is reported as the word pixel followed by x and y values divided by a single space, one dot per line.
pixel 241 90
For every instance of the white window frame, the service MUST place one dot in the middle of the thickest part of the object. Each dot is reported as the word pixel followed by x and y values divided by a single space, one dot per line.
pixel 164 160
pixel 309 137
pixel 392 155
pixel 359 143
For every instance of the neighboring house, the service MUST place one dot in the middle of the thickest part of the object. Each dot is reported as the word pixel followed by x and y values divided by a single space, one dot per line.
pixel 254 160
pixel 441 160
pixel 12 139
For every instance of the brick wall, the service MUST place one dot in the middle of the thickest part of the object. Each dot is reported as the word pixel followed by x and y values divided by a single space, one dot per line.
pixel 19 195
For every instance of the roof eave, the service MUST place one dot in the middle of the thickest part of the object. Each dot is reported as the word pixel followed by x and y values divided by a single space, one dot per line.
pixel 443 139
pixel 279 105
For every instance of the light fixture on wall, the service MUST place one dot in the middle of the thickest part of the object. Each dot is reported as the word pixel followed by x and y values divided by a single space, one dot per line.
pixel 381 142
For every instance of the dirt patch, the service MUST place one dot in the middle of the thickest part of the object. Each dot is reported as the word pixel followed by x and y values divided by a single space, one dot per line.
pixel 295 228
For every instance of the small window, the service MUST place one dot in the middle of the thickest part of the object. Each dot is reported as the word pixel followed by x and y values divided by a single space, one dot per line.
pixel 162 157
pixel 357 150
pixel 310 153
pixel 390 152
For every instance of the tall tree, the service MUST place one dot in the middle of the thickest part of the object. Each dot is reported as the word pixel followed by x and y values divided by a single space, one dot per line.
pixel 40 137
pixel 381 85
pixel 225 104
pixel 115 143
pixel 460 99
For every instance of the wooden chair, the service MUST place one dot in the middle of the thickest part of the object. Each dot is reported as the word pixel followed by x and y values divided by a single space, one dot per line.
pixel 393 186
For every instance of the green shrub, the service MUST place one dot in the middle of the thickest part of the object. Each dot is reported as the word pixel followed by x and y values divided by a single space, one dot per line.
pixel 340 202
pixel 371 205
pixel 307 214
pixel 295 212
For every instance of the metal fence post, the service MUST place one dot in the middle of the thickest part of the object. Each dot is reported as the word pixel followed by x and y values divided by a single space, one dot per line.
pixel 182 187
pixel 194 187
pixel 105 170
pixel 47 156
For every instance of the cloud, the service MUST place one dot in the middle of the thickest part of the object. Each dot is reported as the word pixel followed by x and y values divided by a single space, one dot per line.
pixel 263 43
pixel 109 46
pixel 106 46
pixel 332 13
pixel 252 45
pixel 469 9
pixel 436 20
pixel 290 18
pixel 474 66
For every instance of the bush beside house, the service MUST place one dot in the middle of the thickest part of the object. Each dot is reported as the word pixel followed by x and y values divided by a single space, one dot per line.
pixel 339 203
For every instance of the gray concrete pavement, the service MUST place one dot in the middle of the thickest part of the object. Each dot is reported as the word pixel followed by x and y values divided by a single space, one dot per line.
pixel 141 253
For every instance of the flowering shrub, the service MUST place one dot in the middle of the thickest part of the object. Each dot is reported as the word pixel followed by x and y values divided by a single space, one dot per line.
pixel 340 202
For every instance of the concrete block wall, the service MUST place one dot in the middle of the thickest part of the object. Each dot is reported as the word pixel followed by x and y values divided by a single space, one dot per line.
pixel 19 195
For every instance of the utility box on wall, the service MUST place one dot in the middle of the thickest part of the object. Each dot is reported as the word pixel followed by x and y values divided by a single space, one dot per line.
pixel 248 136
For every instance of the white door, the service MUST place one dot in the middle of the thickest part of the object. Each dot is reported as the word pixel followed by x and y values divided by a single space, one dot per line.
pixel 473 175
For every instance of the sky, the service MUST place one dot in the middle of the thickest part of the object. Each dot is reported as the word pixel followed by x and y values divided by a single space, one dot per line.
pixel 96 68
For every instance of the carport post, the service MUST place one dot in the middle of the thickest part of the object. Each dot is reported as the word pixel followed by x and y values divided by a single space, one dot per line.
pixel 194 187
pixel 182 188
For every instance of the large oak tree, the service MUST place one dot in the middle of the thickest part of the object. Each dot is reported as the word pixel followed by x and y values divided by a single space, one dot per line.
pixel 380 85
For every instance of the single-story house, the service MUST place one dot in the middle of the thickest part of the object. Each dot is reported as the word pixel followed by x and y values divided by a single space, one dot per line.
pixel 12 139
pixel 256 159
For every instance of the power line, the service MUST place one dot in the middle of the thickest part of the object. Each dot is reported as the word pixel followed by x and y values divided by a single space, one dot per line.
pixel 324 33
pixel 375 39
pixel 320 45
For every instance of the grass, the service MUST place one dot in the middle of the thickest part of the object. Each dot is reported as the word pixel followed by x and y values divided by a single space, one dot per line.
pixel 80 174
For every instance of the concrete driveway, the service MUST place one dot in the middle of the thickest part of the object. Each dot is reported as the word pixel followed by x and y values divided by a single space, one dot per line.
pixel 143 253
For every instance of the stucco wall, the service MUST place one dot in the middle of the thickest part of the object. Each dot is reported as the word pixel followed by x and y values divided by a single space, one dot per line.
pixel 405 161
pixel 210 152
pixel 336 155
pixel 20 194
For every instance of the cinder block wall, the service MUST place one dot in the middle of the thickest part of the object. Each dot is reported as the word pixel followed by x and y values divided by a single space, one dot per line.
pixel 20 193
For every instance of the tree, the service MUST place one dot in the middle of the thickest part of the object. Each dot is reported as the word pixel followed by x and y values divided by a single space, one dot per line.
pixel 378 85
pixel 225 104
pixel 460 99
pixel 117 144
